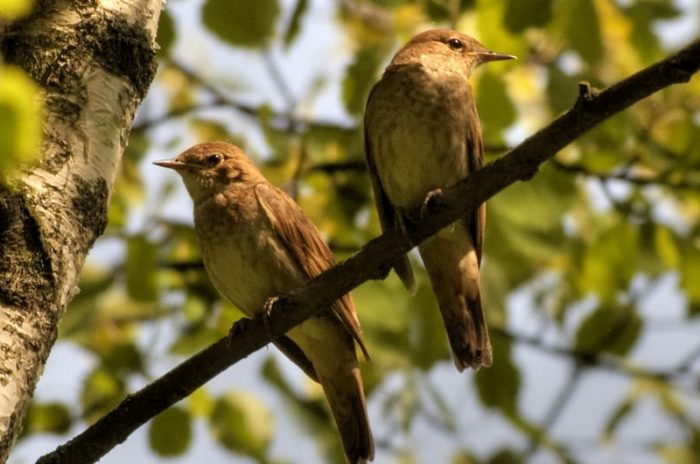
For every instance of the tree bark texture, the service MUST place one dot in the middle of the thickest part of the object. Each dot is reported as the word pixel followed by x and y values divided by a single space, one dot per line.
pixel 94 61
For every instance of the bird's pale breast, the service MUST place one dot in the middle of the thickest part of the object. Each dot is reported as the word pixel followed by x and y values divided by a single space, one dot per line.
pixel 418 133
pixel 245 259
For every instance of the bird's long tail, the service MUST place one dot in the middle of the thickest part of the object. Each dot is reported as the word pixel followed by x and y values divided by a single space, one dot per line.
pixel 330 349
pixel 453 268
pixel 347 401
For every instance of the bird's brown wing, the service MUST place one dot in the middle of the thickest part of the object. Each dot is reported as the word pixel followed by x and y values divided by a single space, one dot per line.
pixel 475 156
pixel 305 246
pixel 387 214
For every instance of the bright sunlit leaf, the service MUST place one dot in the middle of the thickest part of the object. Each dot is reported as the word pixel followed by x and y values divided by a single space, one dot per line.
pixel 20 120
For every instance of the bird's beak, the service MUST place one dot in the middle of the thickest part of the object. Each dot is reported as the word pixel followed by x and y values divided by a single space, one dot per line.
pixel 171 163
pixel 488 55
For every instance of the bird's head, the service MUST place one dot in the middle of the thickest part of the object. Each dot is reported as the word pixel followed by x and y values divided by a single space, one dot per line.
pixel 208 168
pixel 448 50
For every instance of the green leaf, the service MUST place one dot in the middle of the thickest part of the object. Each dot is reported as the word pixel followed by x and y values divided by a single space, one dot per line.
pixel 383 308
pixel 195 340
pixel 464 457
pixel 562 89
pixel 643 15
pixel 295 22
pixel 505 456
pixel 609 262
pixel 609 329
pixel 441 10
pixel 308 408
pixel 166 33
pixel 51 417
pixel 360 76
pixel 582 29
pixel 666 246
pixel 496 110
pixel 195 309
pixel 619 414
pixel 14 9
pixel 200 403
pixel 690 270
pixel 102 392
pixel 20 120
pixel 128 186
pixel 122 357
pixel 242 423
pixel 428 340
pixel 170 432
pixel 492 31
pixel 499 385
pixel 519 15
pixel 524 226
pixel 141 268
pixel 247 23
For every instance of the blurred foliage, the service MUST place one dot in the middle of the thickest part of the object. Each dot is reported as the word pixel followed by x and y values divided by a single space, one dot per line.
pixel 15 9
pixel 581 263
pixel 20 106
pixel 20 120
pixel 170 432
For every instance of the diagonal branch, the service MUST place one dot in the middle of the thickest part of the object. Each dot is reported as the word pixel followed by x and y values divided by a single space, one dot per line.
pixel 373 261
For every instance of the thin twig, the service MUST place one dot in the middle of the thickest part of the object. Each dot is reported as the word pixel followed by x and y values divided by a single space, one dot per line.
pixel 555 410
pixel 625 175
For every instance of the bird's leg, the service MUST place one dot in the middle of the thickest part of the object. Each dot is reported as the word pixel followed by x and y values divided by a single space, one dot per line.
pixel 268 307
pixel 432 200
pixel 243 323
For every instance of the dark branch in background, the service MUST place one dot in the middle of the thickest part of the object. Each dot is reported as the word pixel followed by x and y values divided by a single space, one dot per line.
pixel 555 410
pixel 373 261
pixel 281 121
pixel 282 87
pixel 624 175
pixel 689 360
pixel 592 359
pixel 249 110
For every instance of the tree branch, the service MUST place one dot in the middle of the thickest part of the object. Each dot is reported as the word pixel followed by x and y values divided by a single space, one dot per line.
pixel 641 181
pixel 373 261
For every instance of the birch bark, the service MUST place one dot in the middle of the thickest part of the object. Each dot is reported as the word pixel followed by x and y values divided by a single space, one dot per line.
pixel 94 61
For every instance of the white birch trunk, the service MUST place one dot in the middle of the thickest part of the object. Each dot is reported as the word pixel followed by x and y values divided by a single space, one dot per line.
pixel 94 61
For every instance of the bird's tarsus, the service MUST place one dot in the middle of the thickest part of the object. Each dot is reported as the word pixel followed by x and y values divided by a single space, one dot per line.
pixel 268 307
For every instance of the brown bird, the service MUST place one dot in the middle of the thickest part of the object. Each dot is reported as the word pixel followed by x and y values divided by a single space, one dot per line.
pixel 257 243
pixel 422 134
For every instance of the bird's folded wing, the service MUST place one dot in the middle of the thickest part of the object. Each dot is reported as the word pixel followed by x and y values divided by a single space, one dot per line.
pixel 305 246
pixel 475 157
pixel 387 216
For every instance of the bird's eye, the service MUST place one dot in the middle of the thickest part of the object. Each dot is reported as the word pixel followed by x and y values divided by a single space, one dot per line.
pixel 214 159
pixel 455 44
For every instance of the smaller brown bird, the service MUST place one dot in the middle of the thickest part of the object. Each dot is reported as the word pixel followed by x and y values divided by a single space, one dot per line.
pixel 422 134
pixel 257 243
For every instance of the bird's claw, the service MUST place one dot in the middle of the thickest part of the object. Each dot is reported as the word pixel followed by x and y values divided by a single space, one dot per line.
pixel 239 326
pixel 432 200
pixel 267 309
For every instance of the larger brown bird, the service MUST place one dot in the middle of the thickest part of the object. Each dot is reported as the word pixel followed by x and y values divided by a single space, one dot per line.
pixel 256 243
pixel 422 134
